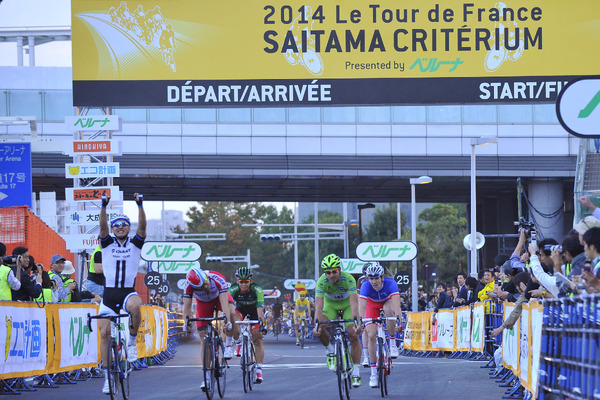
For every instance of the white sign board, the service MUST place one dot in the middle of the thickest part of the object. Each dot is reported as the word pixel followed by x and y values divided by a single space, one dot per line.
pixel 93 123
pixel 86 218
pixel 92 170
pixel 171 251
pixel 175 267
pixel 352 265
pixel 271 293
pixel 291 283
pixel 387 251
pixel 578 107
pixel 83 241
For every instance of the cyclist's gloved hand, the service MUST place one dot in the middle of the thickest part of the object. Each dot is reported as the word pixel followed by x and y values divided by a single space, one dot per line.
pixel 139 198
pixel 228 326
pixel 105 200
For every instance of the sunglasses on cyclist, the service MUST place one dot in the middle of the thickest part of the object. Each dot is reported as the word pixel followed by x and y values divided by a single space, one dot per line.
pixel 244 281
pixel 332 271
pixel 120 224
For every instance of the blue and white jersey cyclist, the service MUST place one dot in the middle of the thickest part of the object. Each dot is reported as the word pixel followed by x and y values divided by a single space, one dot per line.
pixel 376 293
pixel 120 260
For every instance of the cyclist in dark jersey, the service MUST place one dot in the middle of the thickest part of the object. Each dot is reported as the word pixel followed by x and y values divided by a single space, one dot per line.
pixel 249 301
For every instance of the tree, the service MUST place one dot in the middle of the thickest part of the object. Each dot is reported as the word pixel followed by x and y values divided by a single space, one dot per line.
pixel 384 226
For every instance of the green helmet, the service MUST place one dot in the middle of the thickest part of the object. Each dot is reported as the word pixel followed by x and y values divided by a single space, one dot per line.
pixel 244 273
pixel 331 261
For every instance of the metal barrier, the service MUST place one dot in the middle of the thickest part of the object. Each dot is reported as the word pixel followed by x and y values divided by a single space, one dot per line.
pixel 571 348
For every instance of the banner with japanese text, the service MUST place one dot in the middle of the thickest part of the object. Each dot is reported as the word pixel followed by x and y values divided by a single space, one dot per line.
pixel 24 337
pixel 478 327
pixel 463 328
pixel 445 321
pixel 511 342
pixel 179 53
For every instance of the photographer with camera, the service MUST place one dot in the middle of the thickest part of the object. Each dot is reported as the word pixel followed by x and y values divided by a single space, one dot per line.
pixel 8 280
pixel 30 288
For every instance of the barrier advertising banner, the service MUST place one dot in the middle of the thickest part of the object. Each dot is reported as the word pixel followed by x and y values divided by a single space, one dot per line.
pixel 445 323
pixel 478 328
pixel 77 347
pixel 23 335
pixel 180 53
pixel 463 328
pixel 511 342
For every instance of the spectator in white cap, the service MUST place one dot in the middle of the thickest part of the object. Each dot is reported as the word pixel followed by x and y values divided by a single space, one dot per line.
pixel 586 224
pixel 65 285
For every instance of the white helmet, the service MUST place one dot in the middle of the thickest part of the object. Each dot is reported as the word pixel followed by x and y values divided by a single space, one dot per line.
pixel 373 270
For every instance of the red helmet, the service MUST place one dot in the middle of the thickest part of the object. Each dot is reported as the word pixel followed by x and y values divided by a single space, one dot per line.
pixel 196 277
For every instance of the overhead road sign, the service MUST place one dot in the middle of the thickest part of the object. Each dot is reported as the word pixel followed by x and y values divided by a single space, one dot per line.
pixel 15 174
pixel 578 108
pixel 328 53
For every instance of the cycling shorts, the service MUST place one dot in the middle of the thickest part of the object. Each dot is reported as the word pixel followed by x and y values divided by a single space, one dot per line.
pixel 253 326
pixel 373 309
pixel 115 299
pixel 331 308
pixel 206 309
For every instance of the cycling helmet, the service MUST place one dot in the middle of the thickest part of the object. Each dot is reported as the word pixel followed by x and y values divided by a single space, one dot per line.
pixel 374 270
pixel 244 273
pixel 196 277
pixel 331 261
pixel 119 218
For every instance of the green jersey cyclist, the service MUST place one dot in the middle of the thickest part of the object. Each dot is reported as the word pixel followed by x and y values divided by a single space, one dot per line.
pixel 336 291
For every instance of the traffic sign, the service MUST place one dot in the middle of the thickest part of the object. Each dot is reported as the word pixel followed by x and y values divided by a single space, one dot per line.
pixel 402 250
pixel 153 280
pixel 15 174
pixel 171 251
pixel 164 288
pixel 578 107
pixel 402 278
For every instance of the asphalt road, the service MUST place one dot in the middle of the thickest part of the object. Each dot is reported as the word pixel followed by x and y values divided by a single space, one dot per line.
pixel 293 373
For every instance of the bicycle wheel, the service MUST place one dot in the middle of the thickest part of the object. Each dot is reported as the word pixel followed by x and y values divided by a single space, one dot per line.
pixel 340 370
pixel 208 368
pixel 245 364
pixel 113 369
pixel 220 369
pixel 302 333
pixel 381 366
pixel 125 369
pixel 349 367
pixel 252 365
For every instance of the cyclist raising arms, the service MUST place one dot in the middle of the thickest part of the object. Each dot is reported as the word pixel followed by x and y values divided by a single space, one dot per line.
pixel 249 300
pixel 210 290
pixel 302 310
pixel 376 293
pixel 120 260
pixel 336 291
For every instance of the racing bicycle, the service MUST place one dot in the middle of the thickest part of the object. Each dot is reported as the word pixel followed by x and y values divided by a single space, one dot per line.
pixel 248 362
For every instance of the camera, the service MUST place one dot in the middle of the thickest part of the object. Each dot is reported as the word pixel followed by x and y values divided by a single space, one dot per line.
pixel 553 248
pixel 9 260
pixel 528 226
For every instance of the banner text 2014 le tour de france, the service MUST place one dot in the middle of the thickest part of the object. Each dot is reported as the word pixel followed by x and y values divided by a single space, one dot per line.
pixel 260 53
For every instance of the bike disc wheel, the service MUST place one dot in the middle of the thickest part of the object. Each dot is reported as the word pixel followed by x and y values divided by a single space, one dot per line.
pixel 125 371
pixel 221 370
pixel 113 369
pixel 381 366
pixel 245 364
pixel 340 370
pixel 208 369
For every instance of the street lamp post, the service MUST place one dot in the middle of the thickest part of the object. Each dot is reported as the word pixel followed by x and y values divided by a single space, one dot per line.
pixel 413 223
pixel 360 208
pixel 475 142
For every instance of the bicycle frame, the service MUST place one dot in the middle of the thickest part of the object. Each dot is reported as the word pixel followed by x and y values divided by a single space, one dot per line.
pixel 384 359
pixel 214 365
pixel 119 368
pixel 248 362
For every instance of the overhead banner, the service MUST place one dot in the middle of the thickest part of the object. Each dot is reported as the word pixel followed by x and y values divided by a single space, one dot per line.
pixel 180 53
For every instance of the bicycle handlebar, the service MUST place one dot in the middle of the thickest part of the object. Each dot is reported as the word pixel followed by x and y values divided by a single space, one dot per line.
pixel 380 320
pixel 249 322
pixel 189 320
pixel 338 321
pixel 103 316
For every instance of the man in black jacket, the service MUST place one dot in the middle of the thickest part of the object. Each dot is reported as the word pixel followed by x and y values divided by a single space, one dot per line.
pixel 30 289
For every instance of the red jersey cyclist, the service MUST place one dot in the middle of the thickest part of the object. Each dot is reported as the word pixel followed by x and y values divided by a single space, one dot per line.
pixel 210 289
pixel 376 293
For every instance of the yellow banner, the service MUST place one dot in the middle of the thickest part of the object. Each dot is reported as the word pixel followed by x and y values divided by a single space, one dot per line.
pixel 225 39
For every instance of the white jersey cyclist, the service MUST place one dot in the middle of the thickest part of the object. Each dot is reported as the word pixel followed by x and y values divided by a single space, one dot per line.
pixel 120 260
